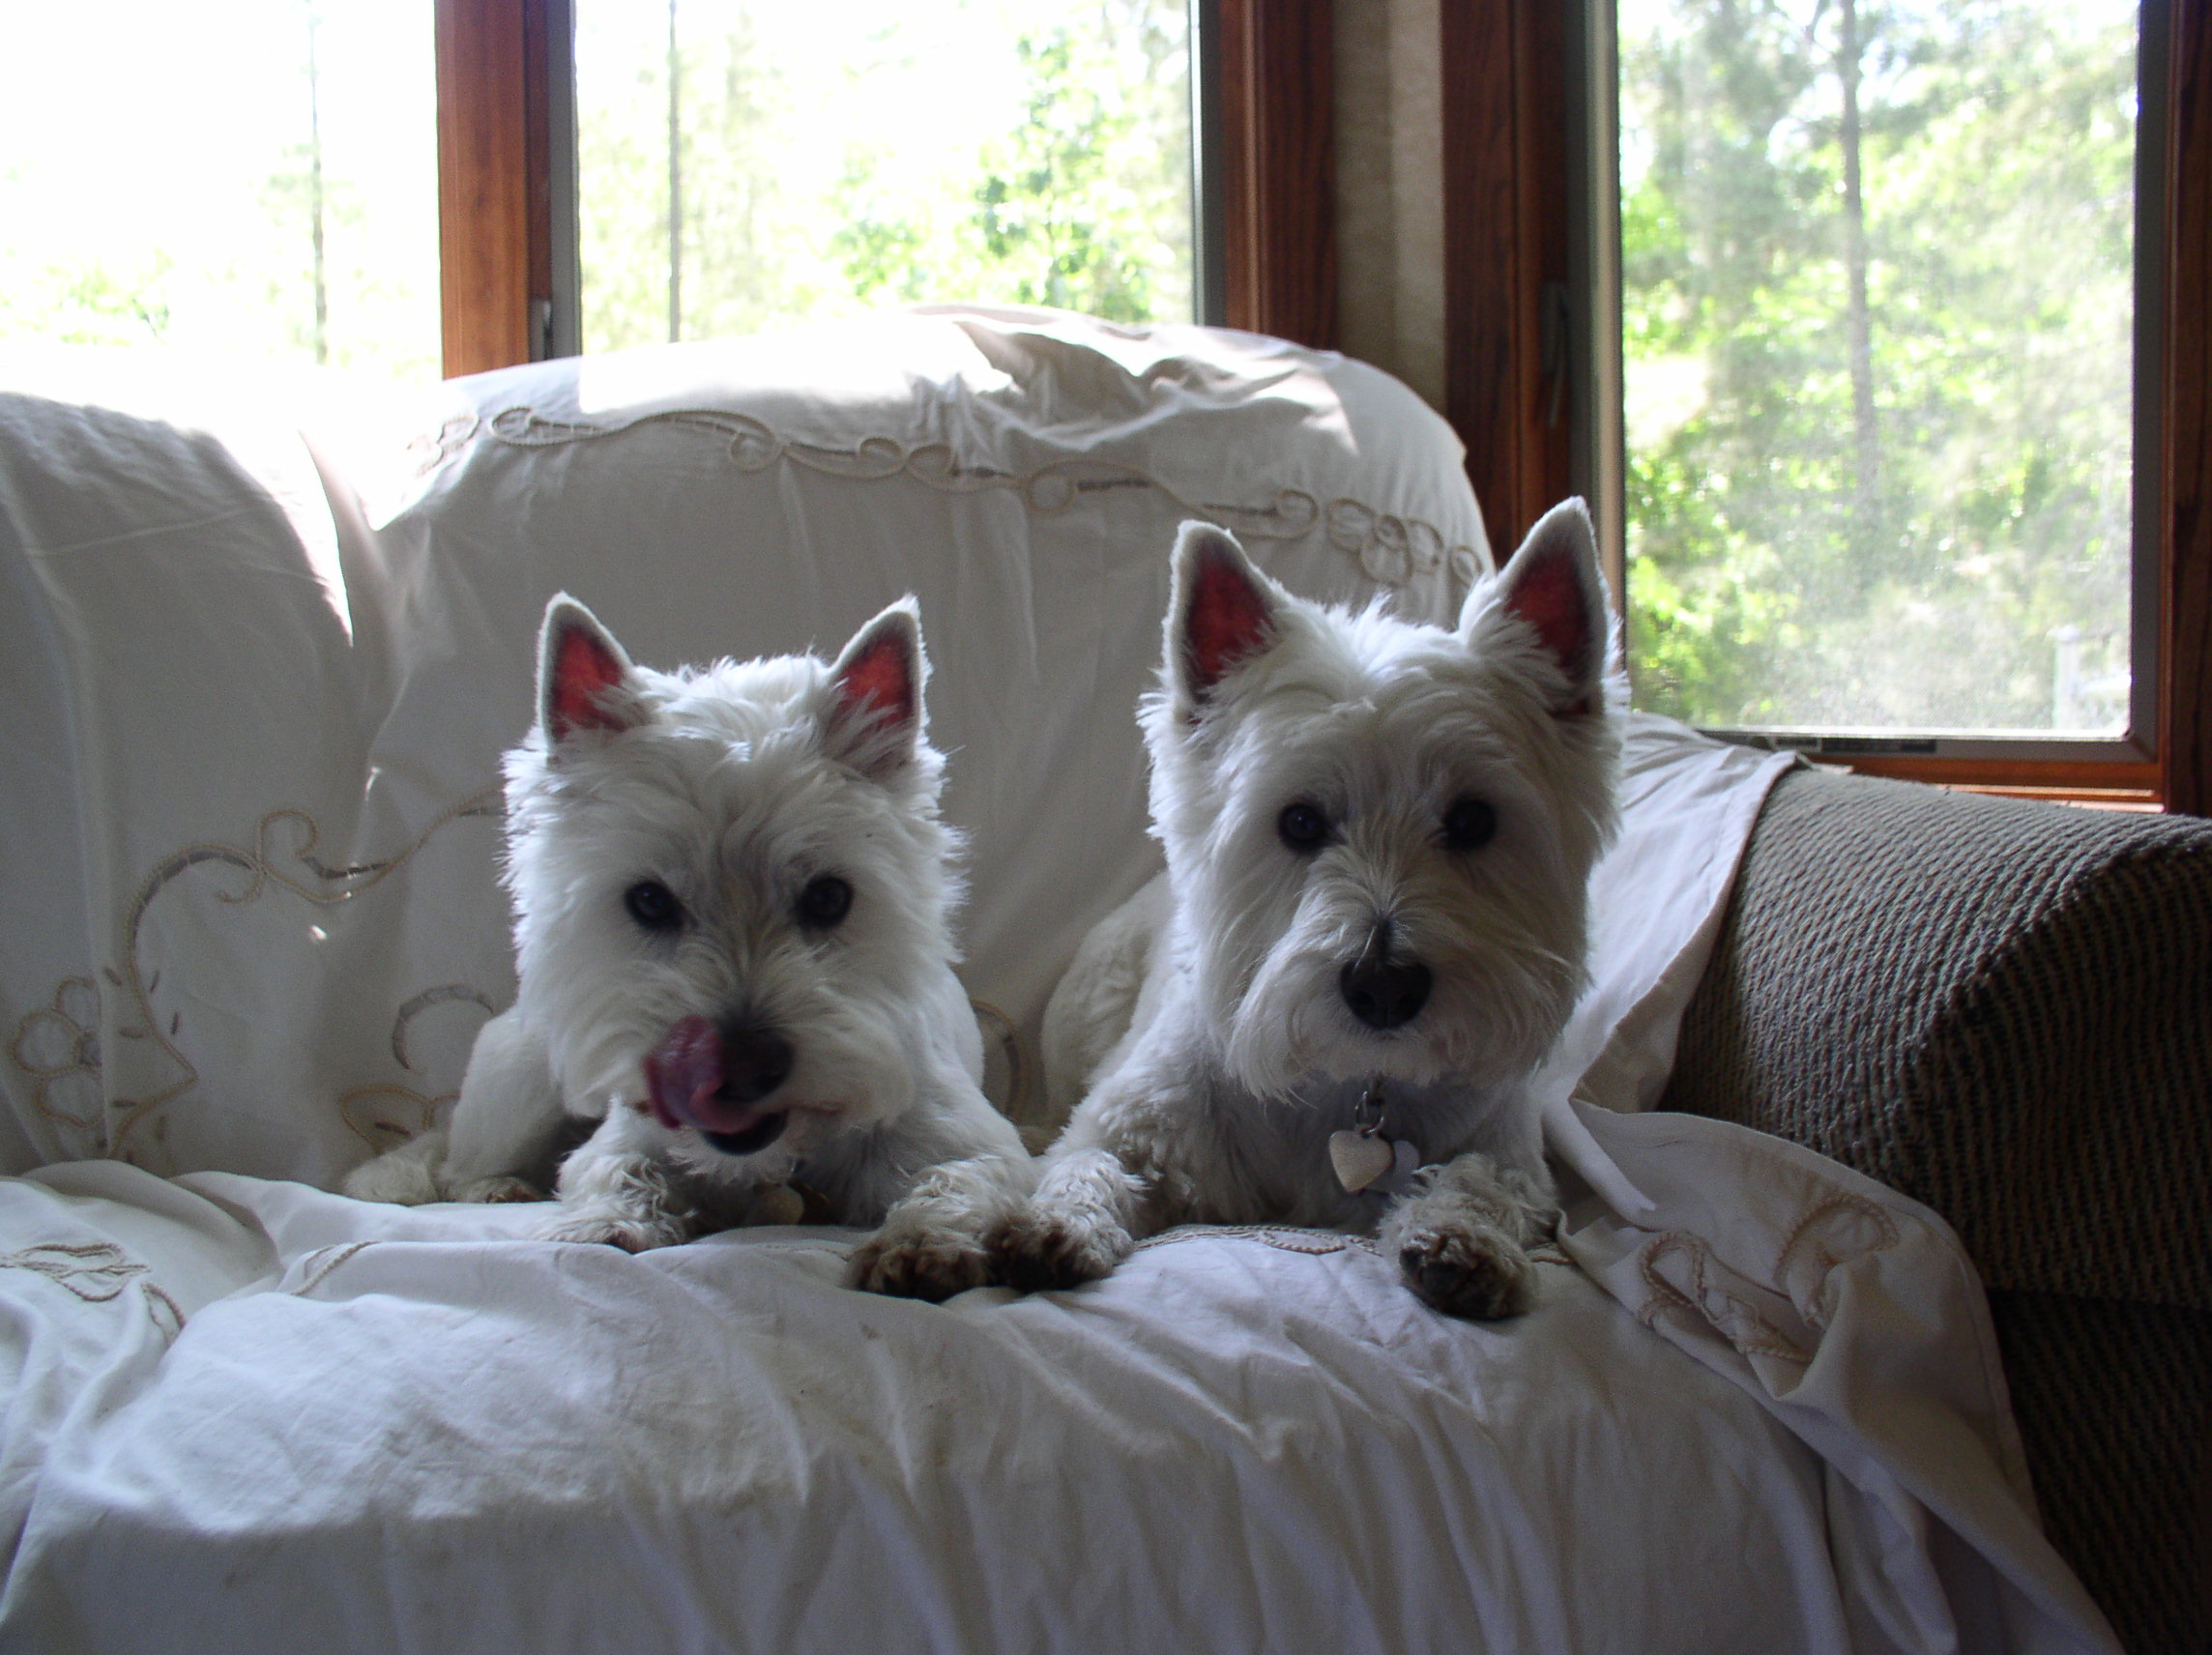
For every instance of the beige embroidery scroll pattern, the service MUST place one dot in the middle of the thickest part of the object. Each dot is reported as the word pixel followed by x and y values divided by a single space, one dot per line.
pixel 58 1047
pixel 1842 1229
pixel 1315 1243
pixel 384 1115
pixel 97 1272
pixel 433 449
pixel 262 865
pixel 1009 1086
pixel 1392 550
pixel 1683 1277
pixel 317 1265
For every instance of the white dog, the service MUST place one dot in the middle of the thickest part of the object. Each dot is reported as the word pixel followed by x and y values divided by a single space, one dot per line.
pixel 1372 926
pixel 731 892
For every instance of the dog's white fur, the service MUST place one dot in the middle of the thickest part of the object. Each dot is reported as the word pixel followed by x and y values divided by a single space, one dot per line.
pixel 736 790
pixel 1214 1016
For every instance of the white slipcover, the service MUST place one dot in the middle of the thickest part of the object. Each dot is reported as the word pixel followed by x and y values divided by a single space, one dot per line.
pixel 259 684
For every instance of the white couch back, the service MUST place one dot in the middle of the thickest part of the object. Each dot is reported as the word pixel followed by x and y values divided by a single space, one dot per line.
pixel 261 657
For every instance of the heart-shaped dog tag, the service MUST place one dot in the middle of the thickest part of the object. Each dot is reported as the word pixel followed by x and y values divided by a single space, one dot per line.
pixel 1359 1159
pixel 779 1204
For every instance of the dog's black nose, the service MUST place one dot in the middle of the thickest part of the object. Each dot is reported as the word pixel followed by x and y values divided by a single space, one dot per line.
pixel 755 1062
pixel 1383 994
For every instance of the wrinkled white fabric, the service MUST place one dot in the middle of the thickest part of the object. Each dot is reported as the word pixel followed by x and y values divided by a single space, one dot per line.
pixel 261 657
pixel 1763 1414
pixel 1657 899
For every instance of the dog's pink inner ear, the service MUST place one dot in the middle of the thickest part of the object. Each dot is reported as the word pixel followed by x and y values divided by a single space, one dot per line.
pixel 1229 620
pixel 584 670
pixel 1549 595
pixel 876 686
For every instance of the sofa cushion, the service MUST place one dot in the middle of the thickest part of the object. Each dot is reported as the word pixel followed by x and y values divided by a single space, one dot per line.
pixel 2003 1008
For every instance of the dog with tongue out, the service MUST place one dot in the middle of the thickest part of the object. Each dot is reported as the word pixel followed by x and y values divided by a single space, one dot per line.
pixel 732 894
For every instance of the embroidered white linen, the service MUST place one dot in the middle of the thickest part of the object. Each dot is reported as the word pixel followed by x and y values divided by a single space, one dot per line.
pixel 1766 1412
pixel 406 1430
pixel 253 924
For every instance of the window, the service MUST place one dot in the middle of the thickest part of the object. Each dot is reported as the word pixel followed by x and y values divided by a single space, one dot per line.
pixel 818 164
pixel 262 181
pixel 1878 318
pixel 1261 249
pixel 1531 170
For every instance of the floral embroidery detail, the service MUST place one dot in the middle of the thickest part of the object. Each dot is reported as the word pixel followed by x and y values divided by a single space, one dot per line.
pixel 58 1046
pixel 96 1271
pixel 433 449
pixel 1391 550
pixel 130 1120
pixel 386 1115
pixel 1394 550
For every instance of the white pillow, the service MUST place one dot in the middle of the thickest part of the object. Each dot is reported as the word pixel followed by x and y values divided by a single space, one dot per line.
pixel 281 717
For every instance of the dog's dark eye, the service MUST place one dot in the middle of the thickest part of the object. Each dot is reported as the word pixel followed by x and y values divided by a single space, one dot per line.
pixel 1469 825
pixel 1302 827
pixel 824 901
pixel 654 905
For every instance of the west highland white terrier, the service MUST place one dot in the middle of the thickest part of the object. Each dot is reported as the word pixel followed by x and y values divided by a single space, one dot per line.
pixel 732 895
pixel 1372 926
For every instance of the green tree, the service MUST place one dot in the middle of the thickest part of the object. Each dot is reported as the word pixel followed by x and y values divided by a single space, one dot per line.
pixel 717 170
pixel 89 302
pixel 1083 205
pixel 1051 211
pixel 1878 437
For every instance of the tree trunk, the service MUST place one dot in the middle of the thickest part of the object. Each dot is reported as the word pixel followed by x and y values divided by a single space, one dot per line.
pixel 315 196
pixel 1855 267
pixel 675 190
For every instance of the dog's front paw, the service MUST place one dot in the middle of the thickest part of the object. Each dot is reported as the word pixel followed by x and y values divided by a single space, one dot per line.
pixel 406 1176
pixel 498 1189
pixel 1036 1249
pixel 1471 1270
pixel 631 1231
pixel 926 1265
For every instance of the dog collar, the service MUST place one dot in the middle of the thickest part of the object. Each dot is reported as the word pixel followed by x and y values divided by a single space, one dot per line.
pixel 1365 1159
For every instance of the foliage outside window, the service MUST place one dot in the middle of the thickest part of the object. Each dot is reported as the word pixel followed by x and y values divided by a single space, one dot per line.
pixel 744 165
pixel 257 178
pixel 1877 328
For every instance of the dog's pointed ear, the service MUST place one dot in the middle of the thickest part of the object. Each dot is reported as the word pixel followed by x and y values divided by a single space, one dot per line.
pixel 585 682
pixel 1223 613
pixel 1552 586
pixel 873 721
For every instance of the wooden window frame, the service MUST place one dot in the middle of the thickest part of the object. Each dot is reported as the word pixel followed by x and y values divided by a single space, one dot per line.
pixel 1511 253
pixel 1276 178
pixel 1510 204
pixel 1270 117
pixel 491 210
pixel 1272 124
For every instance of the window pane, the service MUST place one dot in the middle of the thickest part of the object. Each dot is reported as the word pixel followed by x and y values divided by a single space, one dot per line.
pixel 851 154
pixel 1877 277
pixel 257 177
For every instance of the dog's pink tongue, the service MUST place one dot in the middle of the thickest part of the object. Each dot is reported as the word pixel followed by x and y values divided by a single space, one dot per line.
pixel 684 1071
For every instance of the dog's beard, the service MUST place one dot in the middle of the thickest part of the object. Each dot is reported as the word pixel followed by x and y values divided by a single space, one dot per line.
pixel 1503 979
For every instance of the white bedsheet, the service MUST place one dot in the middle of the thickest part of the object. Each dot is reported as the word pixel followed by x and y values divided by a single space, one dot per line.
pixel 1757 1408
